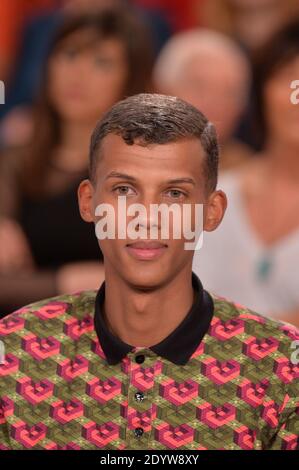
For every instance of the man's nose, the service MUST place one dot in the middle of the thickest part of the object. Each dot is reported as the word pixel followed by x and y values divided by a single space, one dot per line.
pixel 147 218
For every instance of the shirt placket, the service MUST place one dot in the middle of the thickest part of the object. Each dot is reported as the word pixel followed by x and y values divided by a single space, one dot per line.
pixel 139 410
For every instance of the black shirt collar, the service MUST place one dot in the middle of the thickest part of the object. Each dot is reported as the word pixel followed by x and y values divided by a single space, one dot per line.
pixel 178 346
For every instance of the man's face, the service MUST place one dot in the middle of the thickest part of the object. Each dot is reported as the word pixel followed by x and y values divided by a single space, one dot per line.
pixel 154 174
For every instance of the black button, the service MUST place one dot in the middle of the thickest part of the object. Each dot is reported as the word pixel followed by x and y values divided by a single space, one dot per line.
pixel 140 358
pixel 139 396
pixel 138 432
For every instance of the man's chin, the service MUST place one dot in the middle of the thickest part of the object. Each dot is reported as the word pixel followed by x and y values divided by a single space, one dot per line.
pixel 145 279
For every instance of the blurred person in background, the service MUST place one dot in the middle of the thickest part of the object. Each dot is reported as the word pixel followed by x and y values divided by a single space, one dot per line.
pixel 32 40
pixel 35 41
pixel 210 71
pixel 260 231
pixel 250 22
pixel 95 60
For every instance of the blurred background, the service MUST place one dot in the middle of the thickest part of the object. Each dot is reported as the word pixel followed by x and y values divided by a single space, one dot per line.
pixel 65 62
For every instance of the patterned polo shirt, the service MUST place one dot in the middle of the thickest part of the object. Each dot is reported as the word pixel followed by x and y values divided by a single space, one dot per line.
pixel 225 378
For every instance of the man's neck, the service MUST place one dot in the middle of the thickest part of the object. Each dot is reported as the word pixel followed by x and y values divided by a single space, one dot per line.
pixel 142 318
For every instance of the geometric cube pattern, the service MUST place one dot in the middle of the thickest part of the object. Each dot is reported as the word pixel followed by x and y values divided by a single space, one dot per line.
pixel 239 389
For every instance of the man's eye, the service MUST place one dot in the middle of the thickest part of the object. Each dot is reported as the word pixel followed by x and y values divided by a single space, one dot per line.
pixel 124 191
pixel 175 193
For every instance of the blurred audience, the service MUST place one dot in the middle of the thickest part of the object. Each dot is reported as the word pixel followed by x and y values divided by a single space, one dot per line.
pixel 253 256
pixel 251 22
pixel 36 39
pixel 45 247
pixel 65 62
pixel 14 14
pixel 210 71
pixel 181 15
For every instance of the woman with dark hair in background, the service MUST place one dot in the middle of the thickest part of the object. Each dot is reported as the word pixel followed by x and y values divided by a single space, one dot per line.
pixel 259 267
pixel 94 61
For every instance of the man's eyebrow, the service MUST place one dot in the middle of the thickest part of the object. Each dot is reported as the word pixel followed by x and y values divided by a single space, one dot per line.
pixel 116 174
pixel 181 180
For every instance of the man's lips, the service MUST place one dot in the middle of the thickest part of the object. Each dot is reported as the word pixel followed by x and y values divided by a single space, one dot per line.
pixel 147 245
pixel 146 250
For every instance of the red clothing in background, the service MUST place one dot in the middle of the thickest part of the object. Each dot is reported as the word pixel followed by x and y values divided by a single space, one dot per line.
pixel 13 16
pixel 181 14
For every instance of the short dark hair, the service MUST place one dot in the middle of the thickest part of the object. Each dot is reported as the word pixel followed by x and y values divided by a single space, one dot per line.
pixel 148 118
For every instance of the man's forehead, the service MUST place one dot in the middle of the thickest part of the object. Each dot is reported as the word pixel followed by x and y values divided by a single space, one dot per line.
pixel 113 148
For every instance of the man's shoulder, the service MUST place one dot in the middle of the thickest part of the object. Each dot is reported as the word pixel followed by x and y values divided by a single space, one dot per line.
pixel 61 308
pixel 242 320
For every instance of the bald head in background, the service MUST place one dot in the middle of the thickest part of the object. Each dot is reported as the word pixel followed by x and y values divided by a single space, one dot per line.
pixel 210 71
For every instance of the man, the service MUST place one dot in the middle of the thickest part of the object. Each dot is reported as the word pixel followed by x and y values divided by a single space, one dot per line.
pixel 151 360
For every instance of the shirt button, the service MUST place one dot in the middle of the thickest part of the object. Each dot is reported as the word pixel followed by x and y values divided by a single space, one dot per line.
pixel 139 396
pixel 138 432
pixel 140 358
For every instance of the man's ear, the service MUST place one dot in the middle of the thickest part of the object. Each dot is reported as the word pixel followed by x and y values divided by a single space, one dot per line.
pixel 215 210
pixel 85 200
